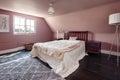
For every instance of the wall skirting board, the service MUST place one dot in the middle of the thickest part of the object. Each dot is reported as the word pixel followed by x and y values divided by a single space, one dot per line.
pixel 22 47
pixel 112 53
pixel 12 50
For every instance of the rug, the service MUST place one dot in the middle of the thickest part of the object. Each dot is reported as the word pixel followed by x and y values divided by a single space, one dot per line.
pixel 26 68
pixel 13 56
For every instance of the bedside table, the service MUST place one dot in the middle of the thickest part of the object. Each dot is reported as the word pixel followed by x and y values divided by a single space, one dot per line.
pixel 93 47
pixel 28 47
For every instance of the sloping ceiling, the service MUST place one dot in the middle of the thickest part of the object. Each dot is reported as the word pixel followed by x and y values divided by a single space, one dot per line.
pixel 40 7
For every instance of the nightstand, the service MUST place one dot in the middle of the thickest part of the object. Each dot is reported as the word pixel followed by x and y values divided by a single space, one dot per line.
pixel 93 47
pixel 28 47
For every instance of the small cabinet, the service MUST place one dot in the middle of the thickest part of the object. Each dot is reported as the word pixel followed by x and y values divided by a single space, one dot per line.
pixel 59 39
pixel 28 47
pixel 93 47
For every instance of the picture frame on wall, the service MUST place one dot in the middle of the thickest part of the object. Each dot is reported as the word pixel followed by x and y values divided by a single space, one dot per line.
pixel 4 23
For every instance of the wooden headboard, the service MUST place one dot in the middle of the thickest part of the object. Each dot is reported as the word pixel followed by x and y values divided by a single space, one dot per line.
pixel 81 35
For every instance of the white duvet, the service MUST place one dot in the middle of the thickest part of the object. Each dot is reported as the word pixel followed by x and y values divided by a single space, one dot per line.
pixel 63 55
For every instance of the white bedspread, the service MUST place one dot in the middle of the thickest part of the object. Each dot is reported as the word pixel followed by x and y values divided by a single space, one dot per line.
pixel 63 55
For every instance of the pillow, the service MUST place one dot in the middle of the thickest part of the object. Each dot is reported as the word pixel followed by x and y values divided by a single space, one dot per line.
pixel 72 38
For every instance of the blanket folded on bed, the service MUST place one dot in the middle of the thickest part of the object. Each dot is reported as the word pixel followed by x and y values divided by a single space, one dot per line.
pixel 57 48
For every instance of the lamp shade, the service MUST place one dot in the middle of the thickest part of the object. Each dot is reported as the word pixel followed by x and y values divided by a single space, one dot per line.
pixel 114 19
pixel 51 9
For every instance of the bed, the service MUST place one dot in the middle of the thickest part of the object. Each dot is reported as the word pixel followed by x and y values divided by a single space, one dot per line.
pixel 62 55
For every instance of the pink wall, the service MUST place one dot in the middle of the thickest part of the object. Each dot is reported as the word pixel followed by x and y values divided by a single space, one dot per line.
pixel 9 40
pixel 94 20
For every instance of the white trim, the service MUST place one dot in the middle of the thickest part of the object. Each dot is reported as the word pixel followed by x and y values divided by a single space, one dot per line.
pixel 12 50
pixel 112 52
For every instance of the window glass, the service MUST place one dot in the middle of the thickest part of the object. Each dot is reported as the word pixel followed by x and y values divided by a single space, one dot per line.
pixel 28 22
pixel 32 23
pixel 16 20
pixel 22 21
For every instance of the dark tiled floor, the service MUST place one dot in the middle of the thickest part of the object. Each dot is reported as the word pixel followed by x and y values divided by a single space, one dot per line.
pixel 94 67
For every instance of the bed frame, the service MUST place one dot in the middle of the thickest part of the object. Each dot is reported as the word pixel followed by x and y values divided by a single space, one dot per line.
pixel 81 35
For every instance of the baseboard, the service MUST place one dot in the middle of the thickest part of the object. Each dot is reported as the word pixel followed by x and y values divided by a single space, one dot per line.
pixel 22 47
pixel 112 52
pixel 12 50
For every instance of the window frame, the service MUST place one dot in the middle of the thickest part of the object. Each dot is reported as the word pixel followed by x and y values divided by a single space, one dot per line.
pixel 25 26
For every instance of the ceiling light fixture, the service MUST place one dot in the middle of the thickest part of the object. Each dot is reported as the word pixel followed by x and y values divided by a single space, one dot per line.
pixel 51 9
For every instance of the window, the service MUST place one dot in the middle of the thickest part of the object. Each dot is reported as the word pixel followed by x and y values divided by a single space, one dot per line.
pixel 23 25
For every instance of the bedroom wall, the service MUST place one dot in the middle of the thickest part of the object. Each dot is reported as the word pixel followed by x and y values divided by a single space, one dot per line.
pixel 94 20
pixel 9 40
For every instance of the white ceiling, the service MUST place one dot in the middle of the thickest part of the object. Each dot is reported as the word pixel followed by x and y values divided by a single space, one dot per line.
pixel 40 7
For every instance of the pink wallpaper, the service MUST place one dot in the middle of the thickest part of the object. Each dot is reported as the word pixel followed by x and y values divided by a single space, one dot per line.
pixel 8 40
pixel 94 20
